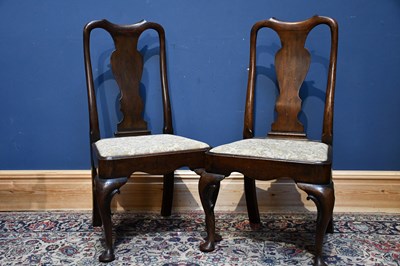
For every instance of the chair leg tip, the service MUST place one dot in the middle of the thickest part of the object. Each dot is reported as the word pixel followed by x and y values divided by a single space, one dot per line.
pixel 107 256
pixel 318 261
pixel 207 246
pixel 255 226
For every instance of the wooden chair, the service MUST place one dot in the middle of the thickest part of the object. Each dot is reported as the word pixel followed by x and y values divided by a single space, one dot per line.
pixel 286 151
pixel 134 148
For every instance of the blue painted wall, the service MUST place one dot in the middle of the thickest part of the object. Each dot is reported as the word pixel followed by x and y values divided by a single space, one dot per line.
pixel 43 106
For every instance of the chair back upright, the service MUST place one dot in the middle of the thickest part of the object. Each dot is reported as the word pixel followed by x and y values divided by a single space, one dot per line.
pixel 292 63
pixel 127 67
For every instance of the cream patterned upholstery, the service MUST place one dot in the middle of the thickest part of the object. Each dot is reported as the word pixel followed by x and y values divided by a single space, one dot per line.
pixel 148 144
pixel 281 149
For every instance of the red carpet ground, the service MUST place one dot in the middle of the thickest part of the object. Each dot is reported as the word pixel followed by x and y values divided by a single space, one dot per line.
pixel 67 238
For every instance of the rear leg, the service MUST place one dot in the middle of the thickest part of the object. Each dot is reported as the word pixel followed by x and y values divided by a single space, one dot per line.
pixel 251 201
pixel 168 194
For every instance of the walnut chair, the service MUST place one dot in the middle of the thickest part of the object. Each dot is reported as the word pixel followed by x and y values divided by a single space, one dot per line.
pixel 286 151
pixel 133 148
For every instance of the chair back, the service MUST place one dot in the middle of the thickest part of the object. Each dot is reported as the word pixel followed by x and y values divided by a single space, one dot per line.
pixel 127 67
pixel 292 63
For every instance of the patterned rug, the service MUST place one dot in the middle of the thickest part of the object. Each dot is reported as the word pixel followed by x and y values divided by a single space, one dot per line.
pixel 67 238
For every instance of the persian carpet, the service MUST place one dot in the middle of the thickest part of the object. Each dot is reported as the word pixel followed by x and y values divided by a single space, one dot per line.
pixel 67 238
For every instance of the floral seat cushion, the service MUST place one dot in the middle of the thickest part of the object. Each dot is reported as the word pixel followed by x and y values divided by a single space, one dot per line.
pixel 143 145
pixel 280 149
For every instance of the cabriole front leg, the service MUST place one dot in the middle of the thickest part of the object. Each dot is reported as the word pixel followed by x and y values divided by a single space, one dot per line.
pixel 105 190
pixel 324 198
pixel 208 189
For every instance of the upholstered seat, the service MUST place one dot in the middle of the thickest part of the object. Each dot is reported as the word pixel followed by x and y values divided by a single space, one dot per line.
pixel 145 145
pixel 279 149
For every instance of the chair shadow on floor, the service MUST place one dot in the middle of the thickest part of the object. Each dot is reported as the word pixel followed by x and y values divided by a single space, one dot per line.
pixel 141 199
pixel 279 198
pixel 143 194
pixel 282 198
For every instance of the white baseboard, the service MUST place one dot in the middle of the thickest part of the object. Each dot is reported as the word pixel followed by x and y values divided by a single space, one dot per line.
pixel 356 191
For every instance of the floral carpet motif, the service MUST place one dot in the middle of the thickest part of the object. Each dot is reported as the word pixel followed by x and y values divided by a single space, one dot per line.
pixel 67 238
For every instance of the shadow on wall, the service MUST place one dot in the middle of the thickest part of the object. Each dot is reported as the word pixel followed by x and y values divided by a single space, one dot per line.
pixel 143 193
pixel 278 196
